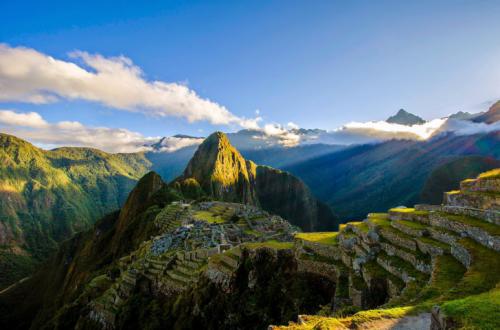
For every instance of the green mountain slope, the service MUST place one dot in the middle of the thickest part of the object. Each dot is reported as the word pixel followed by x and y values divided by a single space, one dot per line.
pixel 47 196
pixel 373 178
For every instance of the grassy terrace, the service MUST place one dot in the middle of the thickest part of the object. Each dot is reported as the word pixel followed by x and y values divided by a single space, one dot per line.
pixel 208 217
pixel 493 174
pixel 327 238
pixel 361 225
pixel 418 254
pixel 397 232
pixel 273 244
pixel 337 263
pixel 488 227
pixel 403 265
pixel 409 210
pixel 382 222
pixel 436 243
pixel 376 271
pixel 411 224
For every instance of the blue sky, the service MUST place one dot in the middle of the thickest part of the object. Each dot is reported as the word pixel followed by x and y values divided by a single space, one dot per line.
pixel 318 64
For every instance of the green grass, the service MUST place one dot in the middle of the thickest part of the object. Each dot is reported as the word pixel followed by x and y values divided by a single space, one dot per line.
pixel 493 174
pixel 376 271
pixel 251 232
pixel 327 238
pixel 474 222
pixel 381 222
pixel 402 210
pixel 273 244
pixel 398 232
pixel 361 225
pixel 377 314
pixel 378 215
pixel 411 224
pixel 409 210
pixel 445 247
pixel 403 265
pixel 476 312
pixel 419 255
pixel 484 273
pixel 208 217
pixel 447 272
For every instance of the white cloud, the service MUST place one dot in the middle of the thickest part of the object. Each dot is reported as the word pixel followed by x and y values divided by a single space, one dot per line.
pixel 385 130
pixel 27 75
pixel 174 143
pixel 30 119
pixel 462 127
pixel 32 127
pixel 281 135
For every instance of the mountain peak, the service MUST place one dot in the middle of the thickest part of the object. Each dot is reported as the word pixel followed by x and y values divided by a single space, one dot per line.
pixel 404 117
pixel 491 116
pixel 221 171
pixel 218 138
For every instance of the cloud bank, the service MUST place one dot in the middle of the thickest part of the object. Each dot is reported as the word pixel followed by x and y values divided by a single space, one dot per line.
pixel 27 75
pixel 31 126
pixel 368 132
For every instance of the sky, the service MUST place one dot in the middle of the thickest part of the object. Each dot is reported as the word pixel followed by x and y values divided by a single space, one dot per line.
pixel 128 69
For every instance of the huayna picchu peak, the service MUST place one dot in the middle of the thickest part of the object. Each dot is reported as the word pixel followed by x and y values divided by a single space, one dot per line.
pixel 223 174
pixel 221 171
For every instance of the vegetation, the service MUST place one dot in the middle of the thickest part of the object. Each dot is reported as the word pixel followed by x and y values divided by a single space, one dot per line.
pixel 75 186
pixel 474 222
pixel 493 174
pixel 475 312
pixel 273 244
pixel 208 217
pixel 328 238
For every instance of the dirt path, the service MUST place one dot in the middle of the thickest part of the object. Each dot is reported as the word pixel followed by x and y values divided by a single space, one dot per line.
pixel 417 322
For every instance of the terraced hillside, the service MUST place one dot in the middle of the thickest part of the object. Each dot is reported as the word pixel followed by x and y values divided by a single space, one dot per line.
pixel 219 265
pixel 428 267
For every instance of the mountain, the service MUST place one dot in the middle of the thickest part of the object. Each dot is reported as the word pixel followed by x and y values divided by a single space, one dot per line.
pixel 447 177
pixel 223 174
pixel 375 177
pixel 405 118
pixel 47 196
pixel 461 115
pixel 161 263
pixel 491 116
